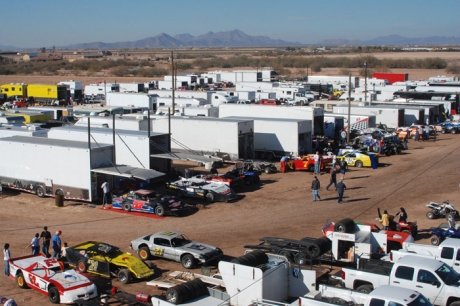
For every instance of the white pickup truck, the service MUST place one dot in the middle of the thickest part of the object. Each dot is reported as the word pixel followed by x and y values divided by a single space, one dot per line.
pixel 383 295
pixel 438 282
pixel 448 251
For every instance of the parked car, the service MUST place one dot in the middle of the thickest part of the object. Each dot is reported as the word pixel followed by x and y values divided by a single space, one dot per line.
pixel 149 202
pixel 359 159
pixel 106 260
pixel 50 277
pixel 199 188
pixel 175 246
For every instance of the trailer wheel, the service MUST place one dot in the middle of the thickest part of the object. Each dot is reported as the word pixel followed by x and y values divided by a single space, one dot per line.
pixel 365 288
pixel 126 206
pixel 344 226
pixel 40 191
pixel 300 258
pixel 435 240
pixel 314 250
pixel 286 254
pixel 159 210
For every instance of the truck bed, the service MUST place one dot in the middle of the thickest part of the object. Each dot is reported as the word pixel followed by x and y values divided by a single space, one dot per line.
pixel 375 266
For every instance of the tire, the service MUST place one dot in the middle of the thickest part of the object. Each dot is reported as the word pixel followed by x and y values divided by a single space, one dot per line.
pixel 365 288
pixel 21 281
pixel 324 244
pixel 144 253
pixel 286 254
pixel 188 261
pixel 126 206
pixel 453 131
pixel 150 264
pixel 359 164
pixel 314 250
pixel 344 226
pixel 300 258
pixel 124 276
pixel 175 295
pixel 435 240
pixel 431 215
pixel 59 192
pixel 53 295
pixel 159 210
pixel 256 179
pixel 210 197
pixel 40 192
pixel 387 153
pixel 82 266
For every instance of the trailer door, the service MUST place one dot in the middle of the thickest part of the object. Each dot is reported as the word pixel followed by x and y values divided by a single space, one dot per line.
pixel 400 117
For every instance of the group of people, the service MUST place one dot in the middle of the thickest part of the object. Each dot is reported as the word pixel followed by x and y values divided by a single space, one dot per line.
pixel 423 133
pixel 385 219
pixel 339 187
pixel 47 240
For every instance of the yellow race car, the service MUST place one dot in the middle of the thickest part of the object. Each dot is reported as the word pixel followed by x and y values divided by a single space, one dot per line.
pixel 359 159
pixel 107 260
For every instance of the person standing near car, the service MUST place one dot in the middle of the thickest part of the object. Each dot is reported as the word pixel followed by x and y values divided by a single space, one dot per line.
pixel 340 190
pixel 402 215
pixel 343 135
pixel 106 189
pixel 56 244
pixel 434 133
pixel 406 139
pixel 315 186
pixel 317 160
pixel 6 258
pixel 427 132
pixel 45 236
pixel 35 244
pixel 385 220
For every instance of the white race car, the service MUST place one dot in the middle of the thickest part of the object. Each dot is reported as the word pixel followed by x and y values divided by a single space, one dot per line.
pixel 50 277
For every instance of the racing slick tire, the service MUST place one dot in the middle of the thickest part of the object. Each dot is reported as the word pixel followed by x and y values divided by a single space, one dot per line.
pixel 188 261
pixel 21 281
pixel 82 266
pixel 314 250
pixel 286 254
pixel 324 244
pixel 53 295
pixel 359 164
pixel 126 206
pixel 40 192
pixel 364 288
pixel 344 226
pixel 124 276
pixel 159 210
pixel 435 240
pixel 210 197
pixel 431 215
pixel 144 253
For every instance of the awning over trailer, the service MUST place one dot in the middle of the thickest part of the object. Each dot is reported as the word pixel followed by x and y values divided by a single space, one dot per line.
pixel 128 171
pixel 188 156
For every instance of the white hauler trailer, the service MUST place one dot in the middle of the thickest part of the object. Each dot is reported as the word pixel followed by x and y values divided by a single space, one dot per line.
pixel 392 117
pixel 125 99
pixel 179 102
pixel 334 80
pixel 132 87
pixel 242 95
pixel 101 89
pixel 75 88
pixel 274 138
pixel 212 97
pixel 265 95
pixel 357 122
pixel 133 122
pixel 24 130
pixel 191 111
pixel 55 111
pixel 278 111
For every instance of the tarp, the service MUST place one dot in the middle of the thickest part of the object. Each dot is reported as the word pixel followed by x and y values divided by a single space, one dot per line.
pixel 188 156
pixel 130 172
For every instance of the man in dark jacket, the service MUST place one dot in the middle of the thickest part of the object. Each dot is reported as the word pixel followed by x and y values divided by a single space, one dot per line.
pixel 333 178
pixel 340 190
pixel 315 186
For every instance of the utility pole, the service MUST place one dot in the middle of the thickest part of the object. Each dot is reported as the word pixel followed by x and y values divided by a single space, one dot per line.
pixel 365 83
pixel 173 82
pixel 349 107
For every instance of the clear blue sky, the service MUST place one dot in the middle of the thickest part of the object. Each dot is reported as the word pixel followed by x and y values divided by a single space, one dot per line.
pixel 46 23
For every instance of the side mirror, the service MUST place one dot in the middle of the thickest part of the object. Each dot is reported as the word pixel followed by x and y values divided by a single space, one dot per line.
pixel 436 283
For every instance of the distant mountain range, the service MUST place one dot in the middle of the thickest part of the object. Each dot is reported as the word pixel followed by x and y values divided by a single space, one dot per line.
pixel 237 38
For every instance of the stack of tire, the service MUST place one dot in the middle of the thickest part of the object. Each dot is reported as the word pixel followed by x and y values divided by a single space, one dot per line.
pixel 318 246
pixel 346 225
pixel 187 291
pixel 253 259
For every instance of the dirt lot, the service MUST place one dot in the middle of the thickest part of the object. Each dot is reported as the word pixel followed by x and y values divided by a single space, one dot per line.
pixel 282 206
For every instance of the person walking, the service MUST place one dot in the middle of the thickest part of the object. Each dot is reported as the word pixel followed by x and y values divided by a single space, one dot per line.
pixel 106 189
pixel 342 168
pixel 56 244
pixel 45 236
pixel 417 134
pixel 315 186
pixel 406 140
pixel 6 258
pixel 434 133
pixel 333 178
pixel 343 135
pixel 35 244
pixel 340 190
pixel 385 221
pixel 402 215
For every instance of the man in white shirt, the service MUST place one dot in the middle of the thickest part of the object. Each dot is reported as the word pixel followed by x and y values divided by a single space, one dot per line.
pixel 106 189
pixel 317 163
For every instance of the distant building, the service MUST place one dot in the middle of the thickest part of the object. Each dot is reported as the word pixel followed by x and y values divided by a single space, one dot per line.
pixel 42 57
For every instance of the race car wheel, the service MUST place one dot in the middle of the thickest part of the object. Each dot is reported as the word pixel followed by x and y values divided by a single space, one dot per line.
pixel 248 180
pixel 256 179
pixel 53 295
pixel 82 266
pixel 453 131
pixel 443 131
pixel 359 164
pixel 159 210
pixel 188 261
pixel 40 192
pixel 20 281
pixel 124 276
pixel 435 240
pixel 210 197
pixel 126 206
pixel 144 253
pixel 267 170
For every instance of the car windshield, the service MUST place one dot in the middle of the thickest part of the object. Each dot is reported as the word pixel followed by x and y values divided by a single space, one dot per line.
pixel 180 241
pixel 448 275
pixel 420 301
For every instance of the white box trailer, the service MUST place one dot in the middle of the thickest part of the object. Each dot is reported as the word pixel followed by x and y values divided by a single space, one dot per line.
pixel 101 89
pixel 412 114
pixel 191 111
pixel 206 135
pixel 430 110
pixel 256 86
pixel 334 80
pixel 134 87
pixel 24 130
pixel 278 111
pixel 392 117
pixel 265 95
pixel 212 97
pixel 133 148
pixel 242 95
pixel 132 122
pixel 179 102
pixel 274 138
pixel 358 122
pixel 124 99
pixel 56 112
pixel 75 88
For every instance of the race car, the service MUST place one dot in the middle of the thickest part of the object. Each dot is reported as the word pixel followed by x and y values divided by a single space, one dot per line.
pixel 359 159
pixel 227 179
pixel 149 202
pixel 106 260
pixel 50 277
pixel 198 188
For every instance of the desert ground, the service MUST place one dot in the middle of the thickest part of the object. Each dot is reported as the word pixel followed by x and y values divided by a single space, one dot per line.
pixel 281 206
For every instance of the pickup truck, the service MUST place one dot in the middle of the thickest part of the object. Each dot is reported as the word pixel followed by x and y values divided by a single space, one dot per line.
pixel 448 251
pixel 438 282
pixel 383 295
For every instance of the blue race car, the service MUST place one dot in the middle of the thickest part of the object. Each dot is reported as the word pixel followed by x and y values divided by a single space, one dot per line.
pixel 149 202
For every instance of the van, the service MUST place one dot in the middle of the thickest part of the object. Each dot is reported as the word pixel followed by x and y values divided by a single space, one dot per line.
pixel 269 102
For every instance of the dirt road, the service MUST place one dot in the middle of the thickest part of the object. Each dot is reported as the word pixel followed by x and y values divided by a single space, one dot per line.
pixel 282 206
